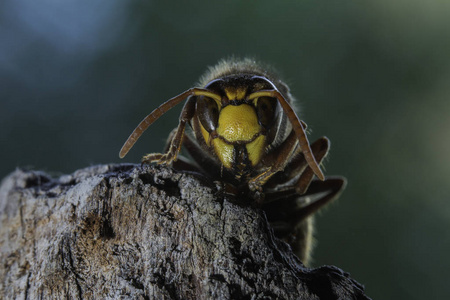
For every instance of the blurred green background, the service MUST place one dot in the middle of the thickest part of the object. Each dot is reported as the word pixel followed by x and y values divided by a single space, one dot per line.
pixel 76 77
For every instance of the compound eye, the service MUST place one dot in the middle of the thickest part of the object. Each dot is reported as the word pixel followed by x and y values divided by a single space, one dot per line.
pixel 265 109
pixel 208 113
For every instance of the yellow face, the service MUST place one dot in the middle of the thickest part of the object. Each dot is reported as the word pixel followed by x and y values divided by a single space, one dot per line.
pixel 238 124
pixel 238 139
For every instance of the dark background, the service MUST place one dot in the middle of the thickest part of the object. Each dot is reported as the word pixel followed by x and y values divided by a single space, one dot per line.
pixel 76 77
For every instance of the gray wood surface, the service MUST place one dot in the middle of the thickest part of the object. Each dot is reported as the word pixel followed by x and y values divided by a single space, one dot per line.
pixel 132 232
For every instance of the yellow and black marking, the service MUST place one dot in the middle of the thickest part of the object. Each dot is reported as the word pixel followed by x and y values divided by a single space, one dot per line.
pixel 239 139
pixel 239 132
pixel 247 135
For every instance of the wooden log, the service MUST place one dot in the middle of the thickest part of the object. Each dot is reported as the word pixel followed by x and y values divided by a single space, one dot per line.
pixel 131 232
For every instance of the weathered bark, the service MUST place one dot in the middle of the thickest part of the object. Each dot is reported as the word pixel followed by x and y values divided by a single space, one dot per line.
pixel 122 231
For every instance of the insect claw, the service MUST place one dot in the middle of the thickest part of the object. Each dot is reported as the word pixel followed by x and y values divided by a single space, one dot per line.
pixel 160 159
pixel 150 158
pixel 258 196
pixel 254 186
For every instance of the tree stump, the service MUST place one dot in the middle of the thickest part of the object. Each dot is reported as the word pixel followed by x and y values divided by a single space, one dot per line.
pixel 131 232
